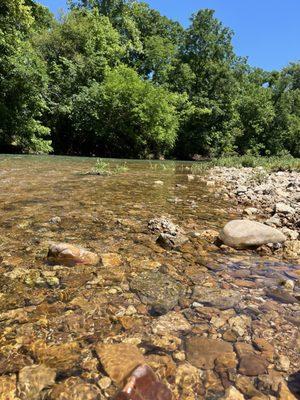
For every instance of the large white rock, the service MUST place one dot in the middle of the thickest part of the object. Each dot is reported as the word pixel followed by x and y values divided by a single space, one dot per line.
pixel 242 233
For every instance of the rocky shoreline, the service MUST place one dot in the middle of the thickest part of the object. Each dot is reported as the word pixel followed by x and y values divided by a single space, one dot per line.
pixel 272 198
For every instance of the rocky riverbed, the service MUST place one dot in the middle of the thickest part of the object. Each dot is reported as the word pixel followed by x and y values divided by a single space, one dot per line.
pixel 103 275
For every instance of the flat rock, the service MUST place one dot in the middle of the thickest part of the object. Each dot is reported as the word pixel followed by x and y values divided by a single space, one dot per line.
pixel 157 290
pixel 216 297
pixel 68 254
pixel 242 234
pixel 252 365
pixel 32 380
pixel 119 360
pixel 202 352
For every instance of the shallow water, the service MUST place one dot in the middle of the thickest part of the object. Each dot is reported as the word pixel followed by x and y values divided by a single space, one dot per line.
pixel 106 214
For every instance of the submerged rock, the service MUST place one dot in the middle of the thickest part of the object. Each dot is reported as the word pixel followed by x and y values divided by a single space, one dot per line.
pixel 203 352
pixel 119 360
pixel 171 322
pixel 216 297
pixel 242 234
pixel 68 254
pixel 170 242
pixel 8 387
pixel 32 380
pixel 75 388
pixel 171 236
pixel 157 290
pixel 144 385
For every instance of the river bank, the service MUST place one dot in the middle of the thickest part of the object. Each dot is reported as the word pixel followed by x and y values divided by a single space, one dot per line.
pixel 140 280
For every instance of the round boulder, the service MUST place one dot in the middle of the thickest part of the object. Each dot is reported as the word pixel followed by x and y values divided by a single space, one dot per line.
pixel 243 234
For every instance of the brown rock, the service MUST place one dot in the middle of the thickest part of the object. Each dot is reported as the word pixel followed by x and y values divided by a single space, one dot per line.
pixel 162 365
pixel 233 394
pixel 252 365
pixel 202 352
pixel 75 389
pixel 267 350
pixel 63 357
pixel 68 254
pixel 244 385
pixel 119 360
pixel 243 349
pixel 144 385
pixel 230 335
pixel 284 393
pixel 33 379
pixel 188 382
pixel 13 362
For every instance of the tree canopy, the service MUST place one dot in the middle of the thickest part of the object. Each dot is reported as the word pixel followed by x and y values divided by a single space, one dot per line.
pixel 117 78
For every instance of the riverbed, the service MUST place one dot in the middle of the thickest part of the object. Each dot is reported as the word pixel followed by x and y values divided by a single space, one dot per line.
pixel 229 329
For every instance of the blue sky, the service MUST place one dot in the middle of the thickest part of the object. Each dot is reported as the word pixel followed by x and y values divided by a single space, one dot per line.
pixel 267 31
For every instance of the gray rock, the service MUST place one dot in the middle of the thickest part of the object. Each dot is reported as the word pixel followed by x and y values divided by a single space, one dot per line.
pixel 170 242
pixel 164 225
pixel 157 290
pixel 216 297
pixel 283 208
pixel 242 234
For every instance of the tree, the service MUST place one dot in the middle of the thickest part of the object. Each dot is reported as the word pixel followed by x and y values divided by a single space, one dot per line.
pixel 286 126
pixel 23 81
pixel 212 124
pixel 125 116
pixel 78 50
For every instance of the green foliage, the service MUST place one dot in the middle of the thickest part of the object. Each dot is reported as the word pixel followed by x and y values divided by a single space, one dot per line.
pixel 211 127
pixel 125 115
pixel 103 168
pixel 274 164
pixel 116 78
pixel 23 82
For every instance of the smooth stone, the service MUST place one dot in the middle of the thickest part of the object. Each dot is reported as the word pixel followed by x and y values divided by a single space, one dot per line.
pixel 216 297
pixel 202 352
pixel 68 254
pixel 119 360
pixel 144 385
pixel 252 365
pixel 157 290
pixel 242 234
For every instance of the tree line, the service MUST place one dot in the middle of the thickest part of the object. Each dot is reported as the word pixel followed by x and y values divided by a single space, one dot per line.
pixel 116 78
